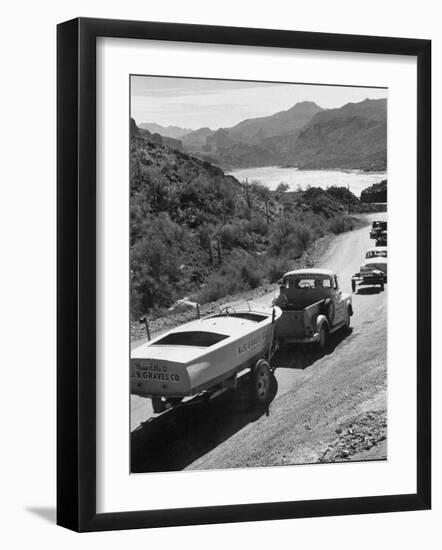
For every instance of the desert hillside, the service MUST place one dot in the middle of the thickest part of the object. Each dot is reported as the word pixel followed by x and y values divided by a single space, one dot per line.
pixel 198 233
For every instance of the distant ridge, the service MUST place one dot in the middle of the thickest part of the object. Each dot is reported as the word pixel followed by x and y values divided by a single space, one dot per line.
pixel 166 131
pixel 196 140
pixel 154 137
pixel 284 122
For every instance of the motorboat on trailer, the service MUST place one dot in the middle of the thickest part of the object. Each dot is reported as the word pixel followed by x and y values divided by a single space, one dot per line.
pixel 206 355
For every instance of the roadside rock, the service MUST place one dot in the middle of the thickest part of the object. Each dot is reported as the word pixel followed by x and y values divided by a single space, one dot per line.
pixel 362 433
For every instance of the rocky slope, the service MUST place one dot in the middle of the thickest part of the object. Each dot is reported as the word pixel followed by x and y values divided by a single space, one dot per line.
pixel 375 193
pixel 354 136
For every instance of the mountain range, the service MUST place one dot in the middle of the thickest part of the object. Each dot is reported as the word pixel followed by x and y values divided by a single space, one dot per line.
pixel 174 132
pixel 306 136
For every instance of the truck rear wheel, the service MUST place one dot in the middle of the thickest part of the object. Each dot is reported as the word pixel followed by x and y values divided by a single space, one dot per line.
pixel 261 382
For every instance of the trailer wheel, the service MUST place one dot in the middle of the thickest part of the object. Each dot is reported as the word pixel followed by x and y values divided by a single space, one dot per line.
pixel 323 336
pixel 261 382
pixel 158 405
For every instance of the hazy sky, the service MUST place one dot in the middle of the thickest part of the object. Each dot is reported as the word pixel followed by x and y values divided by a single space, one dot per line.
pixel 195 103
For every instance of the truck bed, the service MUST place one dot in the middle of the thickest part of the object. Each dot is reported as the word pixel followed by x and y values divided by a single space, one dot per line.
pixel 298 320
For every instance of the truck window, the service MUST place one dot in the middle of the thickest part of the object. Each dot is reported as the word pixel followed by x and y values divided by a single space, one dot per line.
pixel 310 282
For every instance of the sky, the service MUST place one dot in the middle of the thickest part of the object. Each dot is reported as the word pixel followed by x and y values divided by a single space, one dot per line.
pixel 195 103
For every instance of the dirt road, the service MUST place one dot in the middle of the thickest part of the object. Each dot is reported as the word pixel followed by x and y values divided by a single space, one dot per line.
pixel 326 407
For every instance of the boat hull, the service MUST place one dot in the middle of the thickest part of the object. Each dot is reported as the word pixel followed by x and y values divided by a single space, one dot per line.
pixel 154 377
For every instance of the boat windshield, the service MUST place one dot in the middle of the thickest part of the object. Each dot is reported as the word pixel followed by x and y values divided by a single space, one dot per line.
pixel 190 338
pixel 244 315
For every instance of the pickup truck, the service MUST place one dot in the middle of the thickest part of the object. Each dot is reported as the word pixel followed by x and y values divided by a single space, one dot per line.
pixel 313 306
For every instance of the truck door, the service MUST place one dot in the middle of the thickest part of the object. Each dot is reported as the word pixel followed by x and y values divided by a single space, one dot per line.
pixel 338 300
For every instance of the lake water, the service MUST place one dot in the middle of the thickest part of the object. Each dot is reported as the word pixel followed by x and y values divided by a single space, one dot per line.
pixel 272 176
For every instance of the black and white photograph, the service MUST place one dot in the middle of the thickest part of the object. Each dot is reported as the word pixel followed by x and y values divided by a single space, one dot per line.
pixel 258 273
pixel 220 241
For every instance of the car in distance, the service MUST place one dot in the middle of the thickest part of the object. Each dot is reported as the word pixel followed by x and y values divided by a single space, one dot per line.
pixel 378 252
pixel 313 306
pixel 381 239
pixel 373 271
pixel 377 227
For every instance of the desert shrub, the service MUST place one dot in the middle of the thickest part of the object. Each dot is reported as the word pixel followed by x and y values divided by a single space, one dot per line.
pixel 304 236
pixel 251 273
pixel 276 268
pixel 209 199
pixel 216 288
pixel 156 260
pixel 290 238
pixel 228 235
pixel 257 225
pixel 238 275
pixel 203 233
pixel 322 203
pixel 282 188
pixel 340 224
pixel 236 235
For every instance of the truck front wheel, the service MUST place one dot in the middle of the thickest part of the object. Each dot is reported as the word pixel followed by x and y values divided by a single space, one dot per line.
pixel 347 318
pixel 323 336
pixel 261 382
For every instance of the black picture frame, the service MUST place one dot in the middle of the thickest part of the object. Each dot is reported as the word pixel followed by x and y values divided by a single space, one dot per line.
pixel 76 274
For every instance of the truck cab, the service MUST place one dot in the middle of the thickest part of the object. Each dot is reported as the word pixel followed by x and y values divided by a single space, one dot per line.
pixel 313 306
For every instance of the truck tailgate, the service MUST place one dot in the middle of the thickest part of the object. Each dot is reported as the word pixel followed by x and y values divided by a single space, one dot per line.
pixel 298 325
